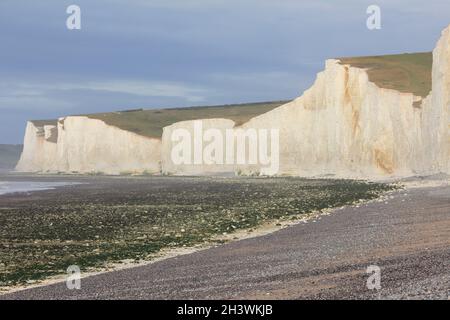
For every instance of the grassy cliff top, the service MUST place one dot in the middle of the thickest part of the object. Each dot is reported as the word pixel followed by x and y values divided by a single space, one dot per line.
pixel 41 123
pixel 408 72
pixel 150 123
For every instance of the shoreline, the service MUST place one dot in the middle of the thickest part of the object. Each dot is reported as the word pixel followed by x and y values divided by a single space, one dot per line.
pixel 17 187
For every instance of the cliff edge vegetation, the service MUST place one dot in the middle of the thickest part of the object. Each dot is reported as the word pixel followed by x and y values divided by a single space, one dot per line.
pixel 150 123
pixel 408 72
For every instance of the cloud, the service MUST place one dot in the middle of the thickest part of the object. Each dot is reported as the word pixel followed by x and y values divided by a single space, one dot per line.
pixel 39 103
pixel 145 88
pixel 29 95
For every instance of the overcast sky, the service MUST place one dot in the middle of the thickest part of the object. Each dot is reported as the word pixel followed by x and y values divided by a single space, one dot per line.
pixel 170 53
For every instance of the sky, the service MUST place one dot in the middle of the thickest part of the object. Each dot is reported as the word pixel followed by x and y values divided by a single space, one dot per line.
pixel 175 53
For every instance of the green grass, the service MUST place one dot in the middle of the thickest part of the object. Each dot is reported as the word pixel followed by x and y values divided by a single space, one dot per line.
pixel 409 72
pixel 41 123
pixel 151 122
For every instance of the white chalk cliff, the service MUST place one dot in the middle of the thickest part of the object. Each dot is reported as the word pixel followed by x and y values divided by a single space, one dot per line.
pixel 83 145
pixel 344 125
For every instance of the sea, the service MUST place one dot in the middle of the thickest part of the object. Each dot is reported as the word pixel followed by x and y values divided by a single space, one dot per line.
pixel 28 186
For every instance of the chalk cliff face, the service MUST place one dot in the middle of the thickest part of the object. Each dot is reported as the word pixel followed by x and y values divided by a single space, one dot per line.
pixel 344 125
pixel 439 107
pixel 84 145
pixel 347 126
pixel 39 150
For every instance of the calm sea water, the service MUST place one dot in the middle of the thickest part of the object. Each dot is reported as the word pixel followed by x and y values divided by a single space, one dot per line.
pixel 27 186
